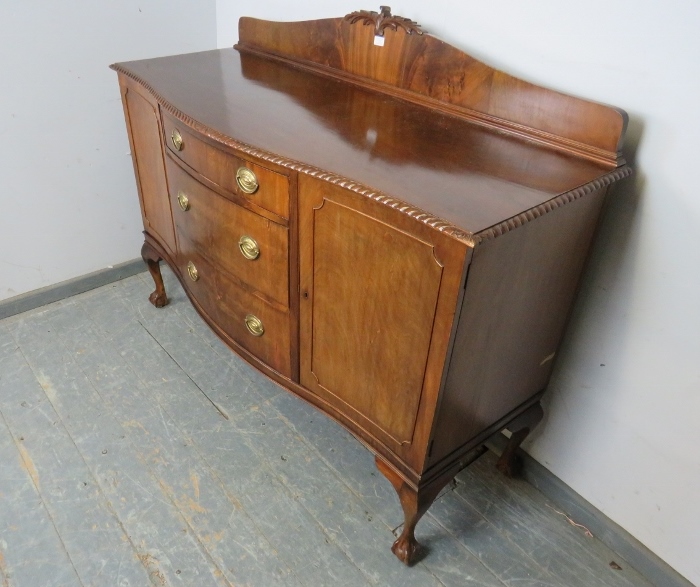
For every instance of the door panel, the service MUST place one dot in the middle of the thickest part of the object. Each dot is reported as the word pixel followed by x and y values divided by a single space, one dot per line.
pixel 374 297
pixel 144 135
pixel 372 310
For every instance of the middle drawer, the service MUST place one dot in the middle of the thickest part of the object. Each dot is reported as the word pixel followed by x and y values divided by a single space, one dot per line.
pixel 253 249
pixel 258 327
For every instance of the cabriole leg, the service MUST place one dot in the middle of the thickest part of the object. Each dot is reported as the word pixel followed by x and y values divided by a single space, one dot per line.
pixel 414 503
pixel 152 260
pixel 509 463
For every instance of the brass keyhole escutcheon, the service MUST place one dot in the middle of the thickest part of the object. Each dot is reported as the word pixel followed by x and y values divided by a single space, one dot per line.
pixel 183 200
pixel 192 271
pixel 254 325
pixel 249 248
pixel 246 180
pixel 176 138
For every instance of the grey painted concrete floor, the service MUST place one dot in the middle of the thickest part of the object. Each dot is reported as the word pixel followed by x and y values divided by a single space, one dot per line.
pixel 136 450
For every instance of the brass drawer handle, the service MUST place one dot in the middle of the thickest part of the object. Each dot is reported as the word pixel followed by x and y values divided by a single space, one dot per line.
pixel 249 248
pixel 183 200
pixel 176 138
pixel 246 180
pixel 254 325
pixel 192 270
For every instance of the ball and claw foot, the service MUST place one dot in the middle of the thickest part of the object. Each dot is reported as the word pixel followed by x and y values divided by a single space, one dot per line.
pixel 406 548
pixel 158 299
pixel 414 504
pixel 152 260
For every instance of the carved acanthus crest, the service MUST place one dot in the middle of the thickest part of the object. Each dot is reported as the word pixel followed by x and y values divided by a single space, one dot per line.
pixel 383 20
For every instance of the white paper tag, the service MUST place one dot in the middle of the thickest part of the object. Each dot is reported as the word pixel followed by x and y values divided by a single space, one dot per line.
pixel 379 41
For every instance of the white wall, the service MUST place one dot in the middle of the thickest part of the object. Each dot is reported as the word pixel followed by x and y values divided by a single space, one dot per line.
pixel 625 436
pixel 67 194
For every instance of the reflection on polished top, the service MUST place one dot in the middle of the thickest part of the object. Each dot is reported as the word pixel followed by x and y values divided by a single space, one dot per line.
pixel 464 173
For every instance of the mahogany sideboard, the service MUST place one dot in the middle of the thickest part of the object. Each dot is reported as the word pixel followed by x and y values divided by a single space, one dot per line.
pixel 382 224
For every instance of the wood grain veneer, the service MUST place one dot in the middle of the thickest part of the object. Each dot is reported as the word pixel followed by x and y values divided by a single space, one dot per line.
pixel 422 220
pixel 143 123
pixel 215 226
pixel 413 67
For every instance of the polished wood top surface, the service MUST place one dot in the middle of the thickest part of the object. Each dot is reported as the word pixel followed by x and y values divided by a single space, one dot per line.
pixel 464 173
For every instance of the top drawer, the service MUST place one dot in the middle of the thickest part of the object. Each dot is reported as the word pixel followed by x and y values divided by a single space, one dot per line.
pixel 258 185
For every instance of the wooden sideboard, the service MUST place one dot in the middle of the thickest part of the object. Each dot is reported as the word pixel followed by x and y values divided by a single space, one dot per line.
pixel 383 225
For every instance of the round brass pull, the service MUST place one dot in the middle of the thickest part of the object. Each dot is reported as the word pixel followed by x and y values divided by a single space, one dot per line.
pixel 249 248
pixel 254 325
pixel 176 138
pixel 183 200
pixel 192 270
pixel 246 180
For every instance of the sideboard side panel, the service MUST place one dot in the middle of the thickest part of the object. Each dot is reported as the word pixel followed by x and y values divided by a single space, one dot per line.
pixel 502 358
pixel 143 126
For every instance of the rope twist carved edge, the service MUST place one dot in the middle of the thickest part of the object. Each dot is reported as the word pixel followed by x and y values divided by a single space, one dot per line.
pixel 344 182
pixel 439 224
pixel 553 204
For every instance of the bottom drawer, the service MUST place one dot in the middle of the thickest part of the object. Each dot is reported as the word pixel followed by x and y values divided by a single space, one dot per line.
pixel 251 322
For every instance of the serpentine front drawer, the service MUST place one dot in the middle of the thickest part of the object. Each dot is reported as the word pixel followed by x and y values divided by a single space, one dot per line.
pixel 239 176
pixel 249 247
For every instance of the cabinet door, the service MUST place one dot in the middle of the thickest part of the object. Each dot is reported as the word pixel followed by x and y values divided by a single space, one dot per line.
pixel 377 302
pixel 143 126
